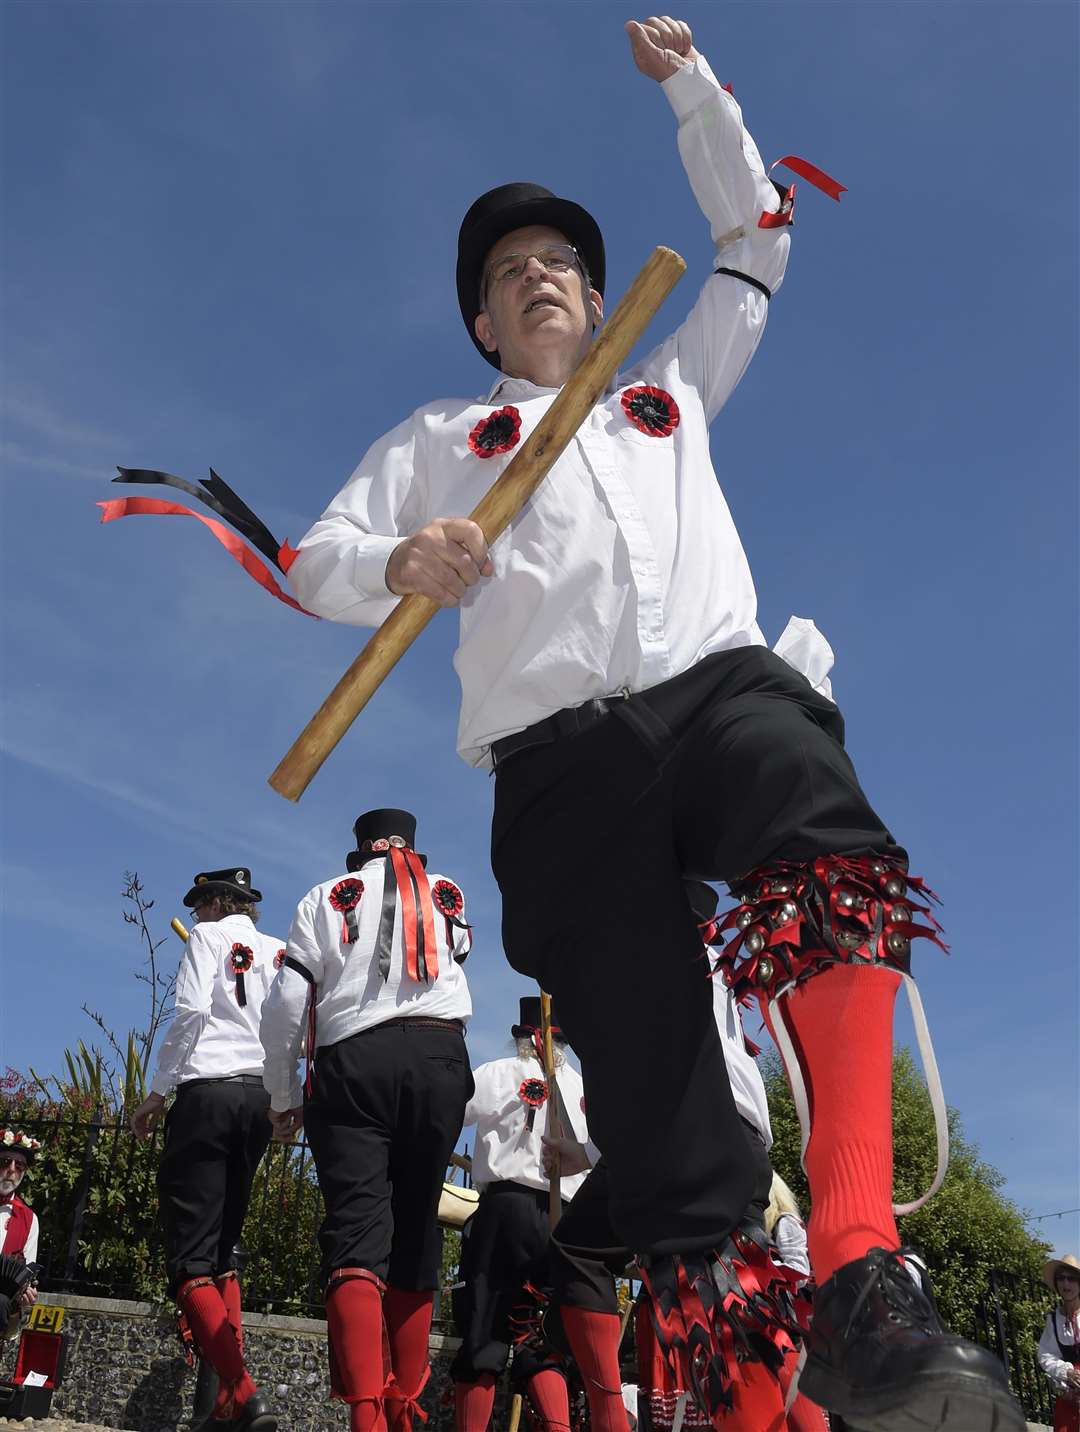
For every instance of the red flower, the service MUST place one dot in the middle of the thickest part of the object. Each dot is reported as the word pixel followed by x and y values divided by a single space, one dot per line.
pixel 498 432
pixel 651 410
pixel 241 959
pixel 346 895
pixel 533 1092
pixel 447 898
pixel 279 959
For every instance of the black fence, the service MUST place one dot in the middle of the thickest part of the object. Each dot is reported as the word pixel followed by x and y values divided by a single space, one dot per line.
pixel 95 1195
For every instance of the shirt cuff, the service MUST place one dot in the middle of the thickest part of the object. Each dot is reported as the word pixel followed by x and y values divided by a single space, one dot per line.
pixel 291 1099
pixel 688 89
pixel 162 1084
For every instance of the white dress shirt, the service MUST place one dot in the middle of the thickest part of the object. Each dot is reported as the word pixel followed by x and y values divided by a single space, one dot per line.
pixel 29 1248
pixel 351 992
pixel 624 568
pixel 789 1235
pixel 211 1034
pixel 506 1151
pixel 746 1082
pixel 1050 1360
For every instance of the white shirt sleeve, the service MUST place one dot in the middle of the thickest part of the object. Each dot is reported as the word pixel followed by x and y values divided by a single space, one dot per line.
pixel 31 1245
pixel 1054 1366
pixel 194 994
pixel 789 1235
pixel 722 162
pixel 340 569
pixel 283 1022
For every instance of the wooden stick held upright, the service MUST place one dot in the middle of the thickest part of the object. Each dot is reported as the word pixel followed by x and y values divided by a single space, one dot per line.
pixel 554 1126
pixel 494 513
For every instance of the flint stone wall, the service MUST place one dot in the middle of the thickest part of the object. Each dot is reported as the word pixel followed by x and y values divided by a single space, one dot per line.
pixel 125 1370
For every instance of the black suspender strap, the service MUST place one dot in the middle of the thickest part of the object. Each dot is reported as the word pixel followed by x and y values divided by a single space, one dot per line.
pixel 753 282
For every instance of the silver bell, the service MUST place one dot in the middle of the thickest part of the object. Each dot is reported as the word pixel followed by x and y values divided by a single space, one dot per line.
pixel 849 939
pixel 755 942
pixel 788 911
pixel 898 944
pixel 895 886
pixel 901 914
pixel 781 887
pixel 878 868
pixel 744 918
pixel 765 969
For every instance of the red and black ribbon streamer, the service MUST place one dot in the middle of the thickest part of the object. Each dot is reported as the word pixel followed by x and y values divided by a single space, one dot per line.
pixel 240 961
pixel 151 506
pixel 533 1094
pixel 417 916
pixel 345 897
pixel 805 170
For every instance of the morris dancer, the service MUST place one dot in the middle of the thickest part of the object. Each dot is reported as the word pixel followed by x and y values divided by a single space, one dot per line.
pixel 218 1128
pixel 506 1246
pixel 372 979
pixel 614 675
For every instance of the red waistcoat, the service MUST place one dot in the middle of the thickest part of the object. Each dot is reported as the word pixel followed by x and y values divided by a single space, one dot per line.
pixel 19 1225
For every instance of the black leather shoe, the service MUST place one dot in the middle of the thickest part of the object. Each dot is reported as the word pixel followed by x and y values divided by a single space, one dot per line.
pixel 879 1356
pixel 254 1416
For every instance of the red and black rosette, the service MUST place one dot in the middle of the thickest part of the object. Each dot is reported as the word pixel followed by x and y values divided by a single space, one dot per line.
pixel 498 432
pixel 533 1094
pixel 450 903
pixel 241 960
pixel 651 410
pixel 279 959
pixel 345 898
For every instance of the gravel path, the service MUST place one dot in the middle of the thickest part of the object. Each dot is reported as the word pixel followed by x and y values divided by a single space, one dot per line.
pixel 53 1424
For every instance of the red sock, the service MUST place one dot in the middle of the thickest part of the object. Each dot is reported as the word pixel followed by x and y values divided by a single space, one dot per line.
pixel 209 1322
pixel 756 1399
pixel 594 1341
pixel 550 1400
pixel 473 1402
pixel 842 1022
pixel 408 1328
pixel 354 1319
pixel 228 1285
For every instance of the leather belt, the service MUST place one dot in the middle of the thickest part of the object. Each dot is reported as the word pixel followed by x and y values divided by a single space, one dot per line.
pixel 569 722
pixel 251 1081
pixel 417 1021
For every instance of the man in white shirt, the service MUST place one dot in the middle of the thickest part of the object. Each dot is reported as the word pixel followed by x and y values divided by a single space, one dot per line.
pixel 218 1127
pixel 614 675
pixel 18 1229
pixel 372 981
pixel 505 1244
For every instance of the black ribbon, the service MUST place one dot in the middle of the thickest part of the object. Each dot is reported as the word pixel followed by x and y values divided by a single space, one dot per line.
pixel 220 498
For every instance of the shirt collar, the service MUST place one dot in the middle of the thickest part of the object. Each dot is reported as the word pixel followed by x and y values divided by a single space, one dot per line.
pixel 521 388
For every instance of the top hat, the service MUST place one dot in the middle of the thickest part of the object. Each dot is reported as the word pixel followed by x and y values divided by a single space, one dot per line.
pixel 516 206
pixel 395 827
pixel 529 1019
pixel 234 881
pixel 1055 1265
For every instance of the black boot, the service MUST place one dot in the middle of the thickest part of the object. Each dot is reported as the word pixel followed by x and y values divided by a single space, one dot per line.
pixel 255 1415
pixel 878 1355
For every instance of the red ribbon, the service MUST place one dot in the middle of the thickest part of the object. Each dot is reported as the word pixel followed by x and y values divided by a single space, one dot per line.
pixel 812 174
pixel 408 864
pixel 252 565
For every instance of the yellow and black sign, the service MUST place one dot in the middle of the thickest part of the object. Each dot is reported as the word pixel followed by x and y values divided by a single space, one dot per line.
pixel 45 1319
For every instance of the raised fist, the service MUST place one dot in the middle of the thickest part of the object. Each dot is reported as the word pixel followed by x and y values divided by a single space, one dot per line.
pixel 661 45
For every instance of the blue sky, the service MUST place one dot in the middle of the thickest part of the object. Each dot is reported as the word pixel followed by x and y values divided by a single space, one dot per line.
pixel 228 239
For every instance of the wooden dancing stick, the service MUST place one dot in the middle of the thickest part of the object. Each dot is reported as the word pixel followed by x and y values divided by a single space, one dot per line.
pixel 515 1412
pixel 179 928
pixel 554 1125
pixel 494 513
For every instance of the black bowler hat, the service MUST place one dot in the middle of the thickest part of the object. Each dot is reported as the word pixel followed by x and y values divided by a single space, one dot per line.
pixel 234 881
pixel 516 206
pixel 395 827
pixel 529 1018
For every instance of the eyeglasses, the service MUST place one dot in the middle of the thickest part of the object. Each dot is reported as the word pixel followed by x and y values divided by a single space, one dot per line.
pixel 554 258
pixel 17 1163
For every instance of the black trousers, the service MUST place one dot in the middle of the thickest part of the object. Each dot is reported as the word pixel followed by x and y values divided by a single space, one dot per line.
pixel 383 1117
pixel 586 1255
pixel 734 762
pixel 504 1246
pixel 215 1134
